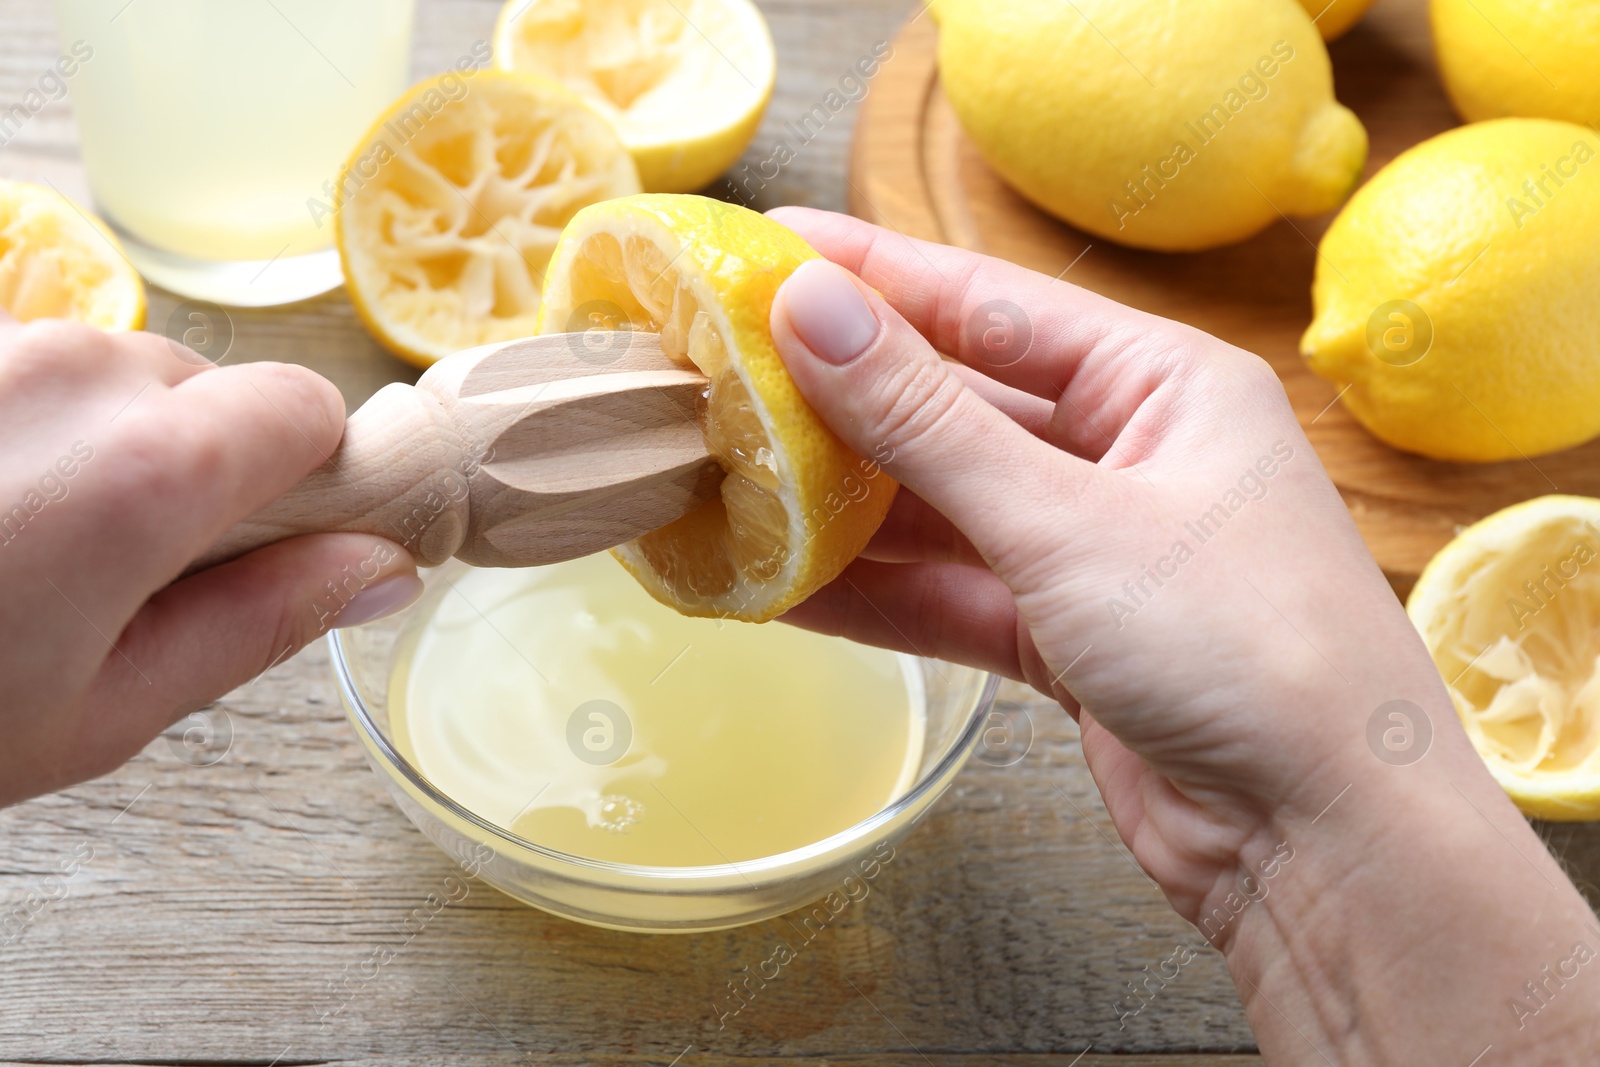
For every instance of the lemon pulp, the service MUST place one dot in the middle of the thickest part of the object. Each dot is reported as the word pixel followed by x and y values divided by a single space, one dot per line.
pixel 1525 643
pixel 715 741
pixel 684 82
pixel 59 262
pixel 795 505
pixel 1510 611
pixel 450 207
pixel 745 531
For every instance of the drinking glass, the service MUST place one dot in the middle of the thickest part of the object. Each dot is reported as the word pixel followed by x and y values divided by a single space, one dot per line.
pixel 213 130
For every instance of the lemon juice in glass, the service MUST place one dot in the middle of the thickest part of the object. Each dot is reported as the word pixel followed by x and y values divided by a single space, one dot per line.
pixel 210 131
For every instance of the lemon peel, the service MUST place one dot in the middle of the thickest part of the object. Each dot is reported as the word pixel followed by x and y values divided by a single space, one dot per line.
pixel 796 506
pixel 1510 612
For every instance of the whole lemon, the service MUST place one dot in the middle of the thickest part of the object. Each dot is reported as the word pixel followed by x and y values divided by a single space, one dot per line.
pixel 1458 294
pixel 1334 17
pixel 1149 125
pixel 1530 58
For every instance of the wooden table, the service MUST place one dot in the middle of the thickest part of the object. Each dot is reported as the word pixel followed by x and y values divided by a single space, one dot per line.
pixel 221 905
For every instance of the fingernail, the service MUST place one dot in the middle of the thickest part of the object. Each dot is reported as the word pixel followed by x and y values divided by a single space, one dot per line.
pixel 378 601
pixel 828 312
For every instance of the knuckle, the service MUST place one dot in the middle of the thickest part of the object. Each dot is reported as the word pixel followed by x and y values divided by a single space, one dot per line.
pixel 913 402
pixel 299 404
pixel 159 351
pixel 51 349
pixel 61 337
pixel 1254 373
pixel 298 623
pixel 168 457
pixel 202 454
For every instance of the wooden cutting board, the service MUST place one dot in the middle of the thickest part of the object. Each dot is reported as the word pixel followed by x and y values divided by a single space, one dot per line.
pixel 913 169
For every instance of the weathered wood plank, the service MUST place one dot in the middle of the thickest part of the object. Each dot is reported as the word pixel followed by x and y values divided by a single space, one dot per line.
pixel 224 914
pixel 223 910
pixel 694 1058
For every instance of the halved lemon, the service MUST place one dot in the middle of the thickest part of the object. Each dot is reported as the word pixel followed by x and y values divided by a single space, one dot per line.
pixel 796 505
pixel 1510 611
pixel 684 81
pixel 57 261
pixel 450 206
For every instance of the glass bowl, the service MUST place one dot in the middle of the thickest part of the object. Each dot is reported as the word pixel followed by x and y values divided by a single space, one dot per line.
pixel 639 898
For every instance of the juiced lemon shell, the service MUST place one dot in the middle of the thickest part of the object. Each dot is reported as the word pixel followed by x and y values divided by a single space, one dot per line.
pixel 685 82
pixel 57 261
pixel 450 206
pixel 1487 232
pixel 1166 126
pixel 1510 611
pixel 796 505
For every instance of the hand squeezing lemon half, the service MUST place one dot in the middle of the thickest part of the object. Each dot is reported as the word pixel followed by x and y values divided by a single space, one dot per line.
pixel 796 506
pixel 451 208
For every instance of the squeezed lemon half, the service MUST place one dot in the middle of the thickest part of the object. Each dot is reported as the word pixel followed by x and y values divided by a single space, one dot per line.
pixel 59 262
pixel 685 82
pixel 449 208
pixel 1510 611
pixel 796 506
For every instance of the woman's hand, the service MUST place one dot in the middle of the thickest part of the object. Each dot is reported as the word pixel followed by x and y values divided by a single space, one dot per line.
pixel 1124 512
pixel 1117 508
pixel 123 457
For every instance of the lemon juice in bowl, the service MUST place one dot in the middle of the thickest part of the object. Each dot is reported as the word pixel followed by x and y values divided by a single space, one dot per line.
pixel 209 129
pixel 566 706
pixel 625 745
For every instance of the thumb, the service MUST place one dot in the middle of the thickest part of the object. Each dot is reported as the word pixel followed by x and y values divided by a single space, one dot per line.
pixel 200 637
pixel 883 389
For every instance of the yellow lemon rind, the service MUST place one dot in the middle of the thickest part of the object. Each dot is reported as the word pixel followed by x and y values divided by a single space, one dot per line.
pixel 735 260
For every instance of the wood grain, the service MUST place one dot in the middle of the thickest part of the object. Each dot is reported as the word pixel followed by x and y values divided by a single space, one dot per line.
pixel 217 911
pixel 516 454
pixel 236 882
pixel 915 170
